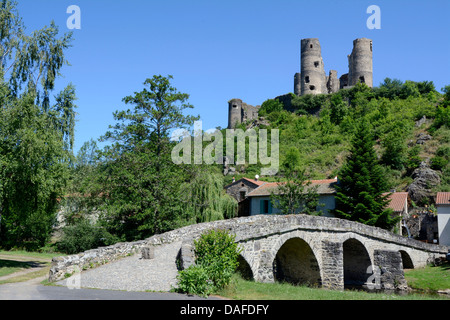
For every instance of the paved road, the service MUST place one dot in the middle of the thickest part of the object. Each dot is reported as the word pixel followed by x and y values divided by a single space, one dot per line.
pixel 33 290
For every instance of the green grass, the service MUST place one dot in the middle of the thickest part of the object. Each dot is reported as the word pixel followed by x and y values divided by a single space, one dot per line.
pixel 429 278
pixel 10 266
pixel 23 253
pixel 241 289
pixel 16 261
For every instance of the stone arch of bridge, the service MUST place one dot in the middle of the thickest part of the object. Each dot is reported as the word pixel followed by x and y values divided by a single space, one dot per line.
pixel 244 268
pixel 295 262
pixel 358 266
pixel 406 260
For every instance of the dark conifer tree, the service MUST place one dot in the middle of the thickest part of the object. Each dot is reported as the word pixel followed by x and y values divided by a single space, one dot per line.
pixel 361 192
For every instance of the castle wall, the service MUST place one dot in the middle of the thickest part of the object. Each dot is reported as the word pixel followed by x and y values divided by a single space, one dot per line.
pixel 239 111
pixel 332 82
pixel 297 84
pixel 343 81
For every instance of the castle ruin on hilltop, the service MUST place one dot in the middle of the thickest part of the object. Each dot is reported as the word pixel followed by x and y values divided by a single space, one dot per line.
pixel 312 78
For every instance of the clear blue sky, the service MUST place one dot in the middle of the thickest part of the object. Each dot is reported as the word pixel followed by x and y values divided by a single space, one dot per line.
pixel 219 50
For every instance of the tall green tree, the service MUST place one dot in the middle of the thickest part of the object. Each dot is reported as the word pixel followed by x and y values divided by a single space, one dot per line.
pixel 294 193
pixel 33 174
pixel 141 181
pixel 361 191
pixel 36 137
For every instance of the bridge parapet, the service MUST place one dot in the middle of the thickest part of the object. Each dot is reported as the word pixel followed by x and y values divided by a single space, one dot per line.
pixel 323 240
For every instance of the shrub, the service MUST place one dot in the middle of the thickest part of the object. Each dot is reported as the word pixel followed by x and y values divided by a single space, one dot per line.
pixel 216 259
pixel 395 155
pixel 195 280
pixel 443 151
pixel 442 118
pixel 269 106
pixel 413 159
pixel 83 236
pixel 309 103
pixel 438 163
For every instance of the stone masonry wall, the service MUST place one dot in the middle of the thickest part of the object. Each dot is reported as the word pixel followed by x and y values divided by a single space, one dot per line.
pixel 261 237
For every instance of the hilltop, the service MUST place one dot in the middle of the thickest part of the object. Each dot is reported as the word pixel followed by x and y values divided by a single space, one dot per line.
pixel 410 123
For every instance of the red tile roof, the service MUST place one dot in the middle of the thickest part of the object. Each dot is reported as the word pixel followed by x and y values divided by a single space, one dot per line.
pixel 258 182
pixel 266 189
pixel 398 201
pixel 255 182
pixel 443 198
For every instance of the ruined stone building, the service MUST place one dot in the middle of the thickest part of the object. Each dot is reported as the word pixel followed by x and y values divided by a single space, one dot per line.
pixel 239 111
pixel 312 78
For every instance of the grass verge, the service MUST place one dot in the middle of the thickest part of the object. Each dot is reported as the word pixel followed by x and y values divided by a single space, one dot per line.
pixel 20 265
pixel 241 289
pixel 430 278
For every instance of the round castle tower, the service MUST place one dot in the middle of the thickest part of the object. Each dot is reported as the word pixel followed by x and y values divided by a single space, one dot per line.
pixel 234 113
pixel 313 78
pixel 360 63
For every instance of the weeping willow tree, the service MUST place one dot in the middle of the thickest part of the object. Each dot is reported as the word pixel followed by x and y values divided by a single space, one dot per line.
pixel 205 198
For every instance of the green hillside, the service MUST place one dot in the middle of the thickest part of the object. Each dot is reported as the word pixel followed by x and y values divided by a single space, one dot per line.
pixel 410 122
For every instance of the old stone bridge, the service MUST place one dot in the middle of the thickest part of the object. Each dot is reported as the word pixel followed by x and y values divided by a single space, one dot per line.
pixel 321 251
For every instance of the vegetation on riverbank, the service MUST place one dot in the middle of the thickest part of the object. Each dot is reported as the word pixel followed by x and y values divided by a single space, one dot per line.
pixel 430 278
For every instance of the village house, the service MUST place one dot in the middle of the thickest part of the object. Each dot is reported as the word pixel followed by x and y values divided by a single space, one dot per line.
pixel 443 213
pixel 260 202
pixel 399 203
pixel 253 196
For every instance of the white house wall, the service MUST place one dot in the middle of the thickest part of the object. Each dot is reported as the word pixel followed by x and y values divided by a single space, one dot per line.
pixel 444 224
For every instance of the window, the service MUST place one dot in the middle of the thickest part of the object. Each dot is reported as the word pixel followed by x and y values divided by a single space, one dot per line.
pixel 316 64
pixel 362 79
pixel 265 207
pixel 307 79
pixel 312 87
pixel 311 46
pixel 242 195
pixel 235 106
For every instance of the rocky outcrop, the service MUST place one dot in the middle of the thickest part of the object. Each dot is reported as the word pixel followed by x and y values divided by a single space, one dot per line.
pixel 422 138
pixel 227 169
pixel 425 179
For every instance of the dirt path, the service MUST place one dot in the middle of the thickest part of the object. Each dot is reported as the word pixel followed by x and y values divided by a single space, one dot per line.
pixel 23 258
pixel 36 264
